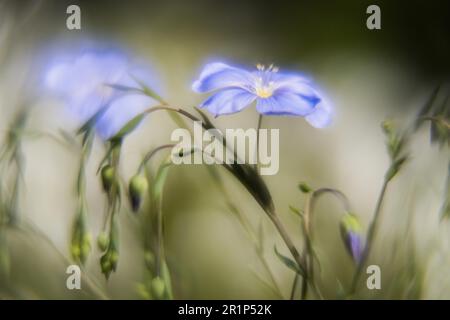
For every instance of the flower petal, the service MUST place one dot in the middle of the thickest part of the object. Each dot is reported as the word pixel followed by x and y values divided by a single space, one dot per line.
pixel 219 75
pixel 286 103
pixel 228 101
pixel 322 115
pixel 120 111
pixel 354 244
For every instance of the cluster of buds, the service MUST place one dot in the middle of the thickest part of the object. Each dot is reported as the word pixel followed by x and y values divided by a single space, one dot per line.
pixel 110 246
pixel 81 240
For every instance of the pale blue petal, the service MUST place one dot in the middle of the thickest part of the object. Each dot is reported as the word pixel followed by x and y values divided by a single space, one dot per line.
pixel 228 101
pixel 219 75
pixel 323 114
pixel 120 111
pixel 286 103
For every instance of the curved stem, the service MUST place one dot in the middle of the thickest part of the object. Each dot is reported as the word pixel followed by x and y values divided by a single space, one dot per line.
pixel 150 155
pixel 308 251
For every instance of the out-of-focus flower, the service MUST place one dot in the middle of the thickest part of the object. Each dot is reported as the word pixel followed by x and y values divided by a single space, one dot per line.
pixel 275 93
pixel 351 234
pixel 86 81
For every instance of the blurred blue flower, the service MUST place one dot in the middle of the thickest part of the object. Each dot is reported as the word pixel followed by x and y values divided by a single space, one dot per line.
pixel 275 93
pixel 85 80
pixel 351 234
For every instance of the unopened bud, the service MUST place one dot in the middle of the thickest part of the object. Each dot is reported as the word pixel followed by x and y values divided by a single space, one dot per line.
pixel 351 235
pixel 304 188
pixel 103 241
pixel 137 189
pixel 107 177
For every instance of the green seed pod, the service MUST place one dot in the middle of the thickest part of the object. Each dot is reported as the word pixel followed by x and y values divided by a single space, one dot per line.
pixel 137 189
pixel 158 288
pixel 114 258
pixel 107 174
pixel 105 264
pixel 103 241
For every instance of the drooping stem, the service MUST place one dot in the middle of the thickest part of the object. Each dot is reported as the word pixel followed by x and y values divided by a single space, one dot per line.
pixel 307 224
pixel 152 153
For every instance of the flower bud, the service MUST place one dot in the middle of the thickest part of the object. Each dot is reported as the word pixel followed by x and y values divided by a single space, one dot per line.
pixel 102 241
pixel 137 189
pixel 108 262
pixel 351 235
pixel 158 288
pixel 80 244
pixel 107 174
pixel 304 188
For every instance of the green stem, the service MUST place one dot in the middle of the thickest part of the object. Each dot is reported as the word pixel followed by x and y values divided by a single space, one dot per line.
pixel 260 118
pixel 370 236
pixel 287 240
pixel 294 287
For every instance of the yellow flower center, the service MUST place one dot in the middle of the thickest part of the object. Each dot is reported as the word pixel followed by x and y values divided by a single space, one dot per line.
pixel 264 87
pixel 264 91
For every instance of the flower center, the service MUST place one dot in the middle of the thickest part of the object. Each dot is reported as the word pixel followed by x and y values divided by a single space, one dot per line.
pixel 264 87
pixel 264 91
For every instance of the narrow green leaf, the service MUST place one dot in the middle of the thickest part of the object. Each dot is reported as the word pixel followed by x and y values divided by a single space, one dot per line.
pixel 291 264
pixel 296 211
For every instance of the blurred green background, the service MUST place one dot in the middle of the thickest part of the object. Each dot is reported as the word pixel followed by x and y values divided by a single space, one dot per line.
pixel 369 76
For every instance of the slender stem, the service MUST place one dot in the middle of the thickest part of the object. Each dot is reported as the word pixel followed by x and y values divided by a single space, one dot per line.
pixel 150 155
pixel 304 292
pixel 308 255
pixel 370 236
pixel 294 287
pixel 260 118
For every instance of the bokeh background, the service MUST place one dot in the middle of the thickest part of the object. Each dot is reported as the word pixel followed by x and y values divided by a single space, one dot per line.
pixel 369 76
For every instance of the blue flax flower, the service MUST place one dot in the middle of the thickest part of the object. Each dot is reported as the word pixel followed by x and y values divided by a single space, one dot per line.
pixel 85 81
pixel 275 93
